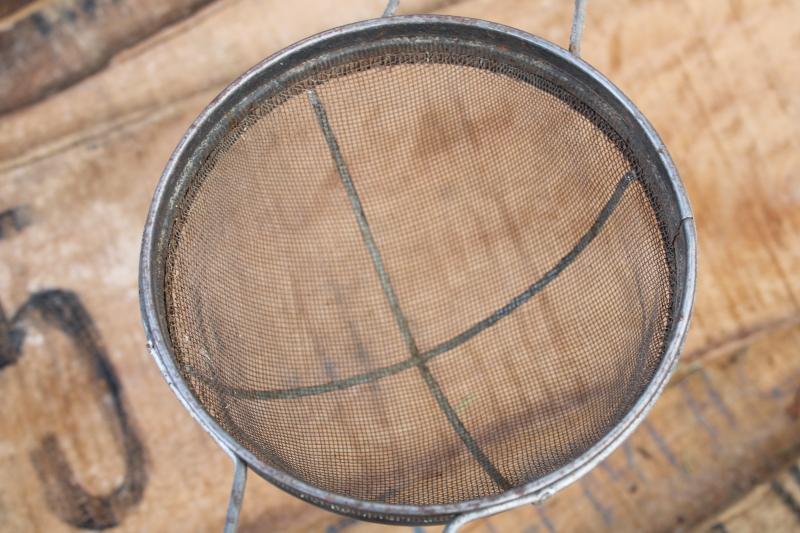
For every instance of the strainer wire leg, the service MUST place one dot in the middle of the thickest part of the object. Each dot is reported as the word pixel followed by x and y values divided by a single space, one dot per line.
pixel 576 33
pixel 237 494
pixel 391 297
pixel 391 7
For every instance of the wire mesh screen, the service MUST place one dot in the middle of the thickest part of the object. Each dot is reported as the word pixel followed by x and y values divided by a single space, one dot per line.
pixel 419 277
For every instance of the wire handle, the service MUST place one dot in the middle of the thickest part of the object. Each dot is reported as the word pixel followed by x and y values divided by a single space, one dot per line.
pixel 237 494
pixel 391 7
pixel 575 34
pixel 459 521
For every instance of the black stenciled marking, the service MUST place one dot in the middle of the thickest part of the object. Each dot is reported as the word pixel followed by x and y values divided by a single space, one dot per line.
pixel 794 470
pixel 630 460
pixel 786 497
pixel 13 221
pixel 716 399
pixel 41 23
pixel 697 412
pixel 63 310
pixel 89 7
pixel 664 448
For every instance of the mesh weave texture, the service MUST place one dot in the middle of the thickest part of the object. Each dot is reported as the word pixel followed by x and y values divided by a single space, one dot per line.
pixel 498 308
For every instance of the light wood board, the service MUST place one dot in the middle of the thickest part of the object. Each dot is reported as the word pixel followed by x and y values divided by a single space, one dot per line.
pixel 77 169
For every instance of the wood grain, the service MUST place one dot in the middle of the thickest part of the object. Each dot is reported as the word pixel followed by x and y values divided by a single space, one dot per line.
pixel 48 45
pixel 771 506
pixel 715 79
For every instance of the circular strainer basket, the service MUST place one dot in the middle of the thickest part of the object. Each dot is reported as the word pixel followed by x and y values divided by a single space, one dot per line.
pixel 418 268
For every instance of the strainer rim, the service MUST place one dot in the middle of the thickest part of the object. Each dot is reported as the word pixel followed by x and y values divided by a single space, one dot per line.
pixel 164 202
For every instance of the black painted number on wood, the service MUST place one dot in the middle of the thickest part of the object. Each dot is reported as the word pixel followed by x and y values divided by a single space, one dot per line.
pixel 63 310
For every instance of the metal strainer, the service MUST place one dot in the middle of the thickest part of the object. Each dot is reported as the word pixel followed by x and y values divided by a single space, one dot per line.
pixel 418 269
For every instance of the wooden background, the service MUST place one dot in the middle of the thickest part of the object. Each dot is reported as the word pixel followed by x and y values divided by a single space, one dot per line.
pixel 95 94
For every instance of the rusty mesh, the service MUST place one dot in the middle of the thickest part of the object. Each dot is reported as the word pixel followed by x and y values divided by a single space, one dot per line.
pixel 420 277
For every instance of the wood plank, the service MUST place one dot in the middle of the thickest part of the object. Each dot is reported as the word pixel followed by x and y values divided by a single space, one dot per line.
pixel 771 506
pixel 77 171
pixel 48 45
pixel 13 6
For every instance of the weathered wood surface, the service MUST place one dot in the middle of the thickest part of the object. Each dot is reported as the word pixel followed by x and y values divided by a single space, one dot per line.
pixel 51 45
pixel 77 170
pixel 771 506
